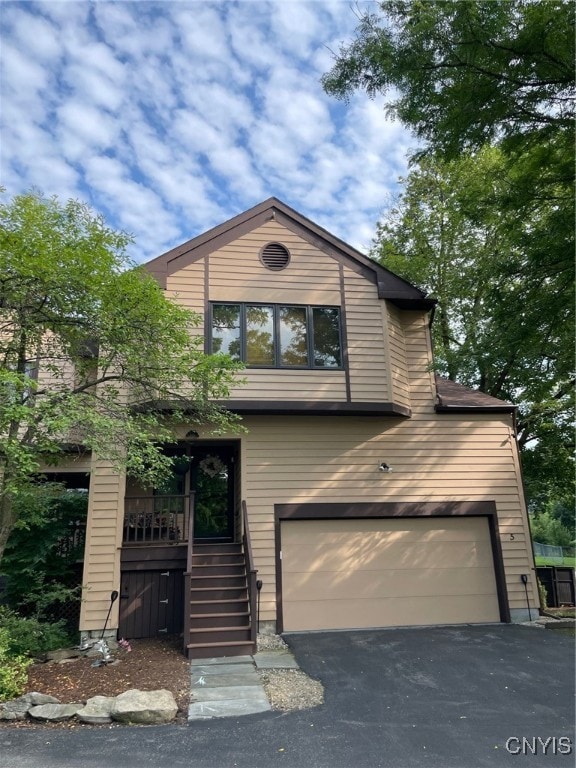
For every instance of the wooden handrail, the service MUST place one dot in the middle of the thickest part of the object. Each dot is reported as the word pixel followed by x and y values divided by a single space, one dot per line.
pixel 190 531
pixel 251 575
pixel 188 571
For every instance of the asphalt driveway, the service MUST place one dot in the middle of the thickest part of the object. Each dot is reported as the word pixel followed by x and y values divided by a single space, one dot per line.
pixel 405 698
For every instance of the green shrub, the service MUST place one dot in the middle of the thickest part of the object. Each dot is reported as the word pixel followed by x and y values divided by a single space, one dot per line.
pixel 543 595
pixel 13 669
pixel 29 636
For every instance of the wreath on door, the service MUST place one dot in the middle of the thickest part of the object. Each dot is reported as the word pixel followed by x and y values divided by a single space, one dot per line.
pixel 212 466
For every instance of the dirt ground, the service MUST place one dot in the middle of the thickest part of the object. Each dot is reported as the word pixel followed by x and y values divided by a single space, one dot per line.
pixel 150 665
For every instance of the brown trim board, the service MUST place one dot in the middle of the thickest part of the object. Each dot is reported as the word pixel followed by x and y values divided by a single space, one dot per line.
pixel 392 509
pixel 344 333
pixel 313 408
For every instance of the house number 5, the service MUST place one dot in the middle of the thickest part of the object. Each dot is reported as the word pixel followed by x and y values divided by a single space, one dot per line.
pixel 511 537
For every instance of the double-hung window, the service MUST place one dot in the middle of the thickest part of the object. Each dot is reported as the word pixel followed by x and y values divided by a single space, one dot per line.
pixel 277 335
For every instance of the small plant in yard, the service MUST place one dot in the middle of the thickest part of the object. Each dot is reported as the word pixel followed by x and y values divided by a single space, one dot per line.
pixel 13 669
pixel 543 595
pixel 27 636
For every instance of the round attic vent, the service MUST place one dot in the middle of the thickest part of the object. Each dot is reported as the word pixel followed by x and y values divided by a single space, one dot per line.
pixel 275 256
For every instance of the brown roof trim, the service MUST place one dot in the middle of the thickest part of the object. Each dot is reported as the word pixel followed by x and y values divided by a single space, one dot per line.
pixel 289 408
pixel 390 286
pixel 456 398
pixel 314 408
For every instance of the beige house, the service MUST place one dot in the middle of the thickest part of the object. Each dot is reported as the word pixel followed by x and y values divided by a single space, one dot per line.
pixel 365 492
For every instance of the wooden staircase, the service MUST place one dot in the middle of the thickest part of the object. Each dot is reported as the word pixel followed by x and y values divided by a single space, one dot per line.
pixel 219 620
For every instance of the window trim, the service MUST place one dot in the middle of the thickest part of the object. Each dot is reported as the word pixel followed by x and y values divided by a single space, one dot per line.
pixel 276 334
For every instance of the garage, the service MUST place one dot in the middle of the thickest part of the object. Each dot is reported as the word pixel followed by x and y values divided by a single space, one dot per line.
pixel 355 573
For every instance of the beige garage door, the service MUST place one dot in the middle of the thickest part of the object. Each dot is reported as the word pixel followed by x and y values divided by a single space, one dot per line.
pixel 339 574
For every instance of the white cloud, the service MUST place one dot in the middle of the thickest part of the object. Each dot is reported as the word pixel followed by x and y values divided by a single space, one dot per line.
pixel 169 117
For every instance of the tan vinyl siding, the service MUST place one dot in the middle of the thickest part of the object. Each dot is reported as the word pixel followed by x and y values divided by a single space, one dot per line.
pixel 186 287
pixel 236 273
pixel 103 542
pixel 434 458
pixel 418 357
pixel 366 342
pixel 397 355
pixel 292 385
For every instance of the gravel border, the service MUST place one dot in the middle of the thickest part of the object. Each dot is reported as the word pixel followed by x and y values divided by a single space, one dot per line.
pixel 288 690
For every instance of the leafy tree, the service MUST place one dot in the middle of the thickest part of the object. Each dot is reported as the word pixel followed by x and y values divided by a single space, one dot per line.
pixel 90 347
pixel 41 555
pixel 547 529
pixel 488 86
pixel 463 74
pixel 467 74
pixel 499 326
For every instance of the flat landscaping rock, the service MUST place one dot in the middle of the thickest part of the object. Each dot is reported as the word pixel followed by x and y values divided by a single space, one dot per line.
pixel 17 709
pixel 54 712
pixel 97 710
pixel 145 707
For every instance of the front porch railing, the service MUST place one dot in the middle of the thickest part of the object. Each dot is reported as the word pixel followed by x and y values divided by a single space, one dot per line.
pixel 157 519
pixel 251 573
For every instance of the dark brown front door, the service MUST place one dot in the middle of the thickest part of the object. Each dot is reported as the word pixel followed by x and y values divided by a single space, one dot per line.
pixel 213 482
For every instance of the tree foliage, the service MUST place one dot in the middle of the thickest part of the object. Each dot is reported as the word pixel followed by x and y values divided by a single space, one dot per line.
pixel 501 326
pixel 463 74
pixel 89 346
pixel 486 221
pixel 45 547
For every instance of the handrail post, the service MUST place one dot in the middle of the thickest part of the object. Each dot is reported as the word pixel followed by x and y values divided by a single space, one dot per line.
pixel 251 576
pixel 188 571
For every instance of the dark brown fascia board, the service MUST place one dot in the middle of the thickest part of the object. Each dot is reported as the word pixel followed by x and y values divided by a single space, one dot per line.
pixel 313 408
pixel 397 290
pixel 509 408
pixel 290 408
pixel 385 509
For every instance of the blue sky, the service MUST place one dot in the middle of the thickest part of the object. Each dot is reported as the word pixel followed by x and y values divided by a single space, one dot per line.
pixel 171 117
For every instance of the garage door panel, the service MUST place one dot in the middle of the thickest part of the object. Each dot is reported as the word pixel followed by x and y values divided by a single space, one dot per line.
pixel 363 614
pixel 391 583
pixel 384 554
pixel 410 529
pixel 387 572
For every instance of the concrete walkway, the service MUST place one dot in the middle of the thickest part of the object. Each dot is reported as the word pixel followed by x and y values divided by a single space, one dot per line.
pixel 231 686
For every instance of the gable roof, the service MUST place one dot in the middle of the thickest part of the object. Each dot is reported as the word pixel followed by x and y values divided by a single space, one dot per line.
pixel 390 286
pixel 455 398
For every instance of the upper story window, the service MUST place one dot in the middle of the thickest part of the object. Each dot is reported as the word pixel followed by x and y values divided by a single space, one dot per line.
pixel 278 335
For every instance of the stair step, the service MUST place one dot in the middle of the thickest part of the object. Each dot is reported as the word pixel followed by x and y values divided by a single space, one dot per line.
pixel 217 558
pixel 209 650
pixel 220 634
pixel 214 620
pixel 218 569
pixel 217 606
pixel 215 581
pixel 199 594
pixel 217 548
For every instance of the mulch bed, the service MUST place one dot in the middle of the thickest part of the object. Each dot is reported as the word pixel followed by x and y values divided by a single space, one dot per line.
pixel 151 665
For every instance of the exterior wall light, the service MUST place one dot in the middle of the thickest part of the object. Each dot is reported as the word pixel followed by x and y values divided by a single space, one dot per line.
pixel 385 467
